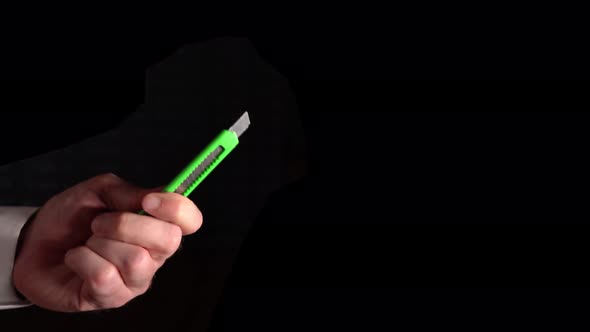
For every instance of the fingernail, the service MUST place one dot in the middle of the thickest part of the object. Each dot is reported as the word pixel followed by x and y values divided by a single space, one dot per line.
pixel 151 202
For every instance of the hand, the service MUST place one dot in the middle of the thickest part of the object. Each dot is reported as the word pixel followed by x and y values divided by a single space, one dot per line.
pixel 88 249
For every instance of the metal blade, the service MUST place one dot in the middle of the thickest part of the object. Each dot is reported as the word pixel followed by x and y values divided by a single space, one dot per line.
pixel 241 125
pixel 199 170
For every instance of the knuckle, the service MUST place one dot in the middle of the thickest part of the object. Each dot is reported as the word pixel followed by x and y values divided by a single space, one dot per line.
pixel 117 302
pixel 84 198
pixel 110 176
pixel 75 196
pixel 137 261
pixel 145 288
pixel 106 178
pixel 102 279
pixel 65 200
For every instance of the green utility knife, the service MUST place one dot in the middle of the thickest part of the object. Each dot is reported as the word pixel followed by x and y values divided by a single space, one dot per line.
pixel 205 162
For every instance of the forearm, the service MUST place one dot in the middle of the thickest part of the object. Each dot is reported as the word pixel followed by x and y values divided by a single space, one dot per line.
pixel 12 220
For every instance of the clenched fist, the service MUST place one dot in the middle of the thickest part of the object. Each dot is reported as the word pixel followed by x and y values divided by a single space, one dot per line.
pixel 88 249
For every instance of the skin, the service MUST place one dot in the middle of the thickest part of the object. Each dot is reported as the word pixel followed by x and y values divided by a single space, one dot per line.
pixel 87 248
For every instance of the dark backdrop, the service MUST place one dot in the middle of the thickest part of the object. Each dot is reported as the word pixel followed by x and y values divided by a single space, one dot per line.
pixel 439 204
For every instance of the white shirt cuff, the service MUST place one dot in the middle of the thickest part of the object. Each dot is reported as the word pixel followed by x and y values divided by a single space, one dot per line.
pixel 12 220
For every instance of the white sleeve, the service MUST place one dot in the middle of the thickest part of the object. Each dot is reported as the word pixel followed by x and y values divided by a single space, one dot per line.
pixel 12 219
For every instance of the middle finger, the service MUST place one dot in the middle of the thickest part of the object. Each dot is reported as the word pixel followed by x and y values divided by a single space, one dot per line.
pixel 159 237
pixel 134 263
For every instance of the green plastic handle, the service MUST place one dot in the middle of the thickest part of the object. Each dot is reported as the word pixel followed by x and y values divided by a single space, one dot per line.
pixel 226 140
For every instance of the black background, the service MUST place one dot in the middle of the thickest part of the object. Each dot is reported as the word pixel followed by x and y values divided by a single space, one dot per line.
pixel 434 203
